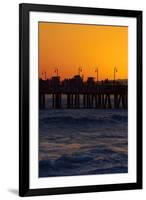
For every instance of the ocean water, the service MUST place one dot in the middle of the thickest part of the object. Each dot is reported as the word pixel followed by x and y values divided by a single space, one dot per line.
pixel 82 142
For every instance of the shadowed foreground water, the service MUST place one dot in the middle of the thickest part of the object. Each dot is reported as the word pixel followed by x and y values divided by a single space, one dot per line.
pixel 83 141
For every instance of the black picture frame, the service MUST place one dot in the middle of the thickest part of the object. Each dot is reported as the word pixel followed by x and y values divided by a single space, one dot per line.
pixel 24 10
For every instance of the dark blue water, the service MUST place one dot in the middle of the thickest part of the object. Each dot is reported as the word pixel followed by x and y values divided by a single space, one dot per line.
pixel 82 142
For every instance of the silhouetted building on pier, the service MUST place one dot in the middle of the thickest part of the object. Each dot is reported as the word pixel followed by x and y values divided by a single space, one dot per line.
pixel 55 82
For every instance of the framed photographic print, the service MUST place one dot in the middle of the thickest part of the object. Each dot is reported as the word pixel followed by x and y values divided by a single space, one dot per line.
pixel 80 99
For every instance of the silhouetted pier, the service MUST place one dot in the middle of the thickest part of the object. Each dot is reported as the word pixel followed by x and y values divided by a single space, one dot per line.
pixel 81 94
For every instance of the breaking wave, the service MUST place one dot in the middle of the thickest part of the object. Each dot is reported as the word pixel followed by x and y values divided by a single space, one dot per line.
pixel 82 142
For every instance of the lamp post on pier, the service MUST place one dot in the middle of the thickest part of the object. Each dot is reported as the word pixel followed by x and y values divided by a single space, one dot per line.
pixel 45 75
pixel 79 70
pixel 115 71
pixel 56 71
pixel 96 70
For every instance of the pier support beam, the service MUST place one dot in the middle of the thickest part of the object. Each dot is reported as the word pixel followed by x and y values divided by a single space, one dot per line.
pixel 107 102
pixel 42 101
pixel 115 101
pixel 102 101
pixel 53 100
pixel 68 101
pixel 77 100
pixel 99 100
pixel 84 100
pixel 57 100
pixel 126 101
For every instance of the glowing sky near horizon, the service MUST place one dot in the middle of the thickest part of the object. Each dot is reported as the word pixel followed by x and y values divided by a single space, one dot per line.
pixel 70 46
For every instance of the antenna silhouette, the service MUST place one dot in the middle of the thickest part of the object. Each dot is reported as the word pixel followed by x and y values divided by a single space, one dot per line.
pixel 56 71
pixel 79 70
pixel 115 70
pixel 96 70
pixel 45 75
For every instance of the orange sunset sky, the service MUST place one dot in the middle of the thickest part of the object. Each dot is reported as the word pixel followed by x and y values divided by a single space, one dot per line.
pixel 70 46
